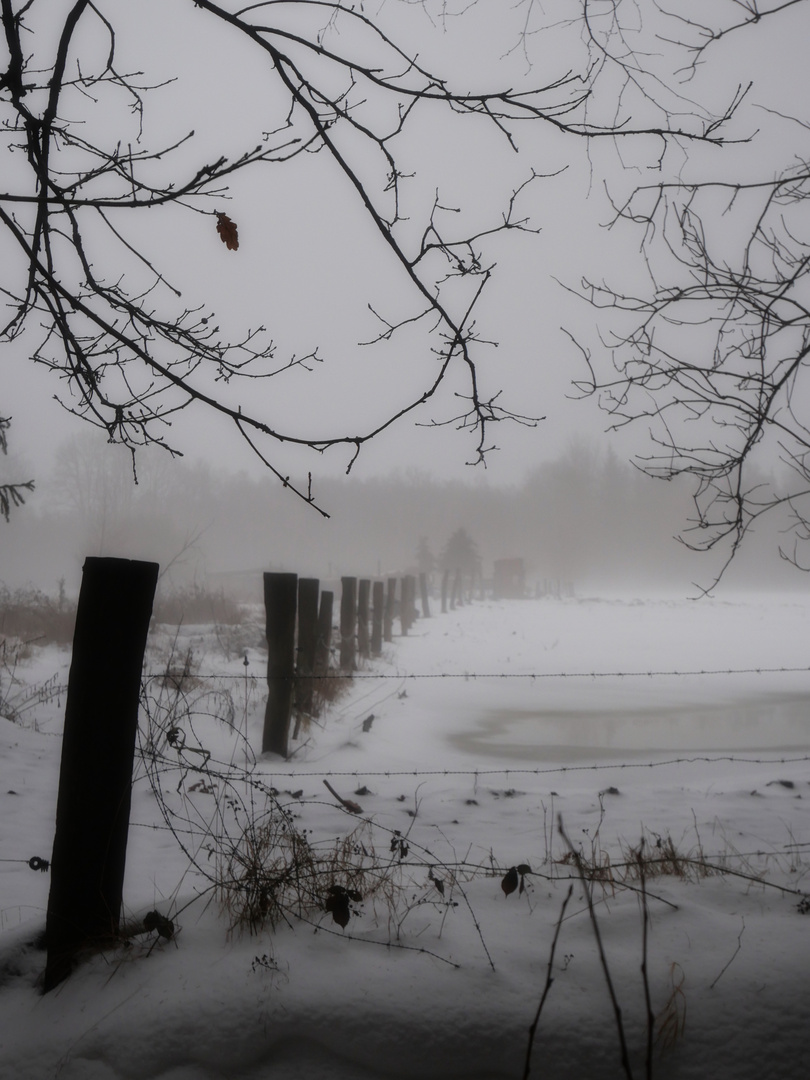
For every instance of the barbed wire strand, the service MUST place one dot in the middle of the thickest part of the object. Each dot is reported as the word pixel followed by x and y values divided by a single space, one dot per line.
pixel 467 675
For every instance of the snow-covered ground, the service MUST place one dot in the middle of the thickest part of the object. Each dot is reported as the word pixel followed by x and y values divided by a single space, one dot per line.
pixel 490 723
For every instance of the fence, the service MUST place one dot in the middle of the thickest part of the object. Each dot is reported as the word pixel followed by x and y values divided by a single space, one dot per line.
pixel 88 863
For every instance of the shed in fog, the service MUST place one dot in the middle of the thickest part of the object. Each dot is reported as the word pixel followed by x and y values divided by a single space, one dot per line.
pixel 509 581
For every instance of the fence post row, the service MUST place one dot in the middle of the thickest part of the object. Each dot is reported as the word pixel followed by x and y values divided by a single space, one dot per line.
pixel 308 589
pixel 348 622
pixel 98 749
pixel 363 592
pixel 378 611
pixel 390 607
pixel 324 642
pixel 280 602
pixel 308 592
pixel 101 716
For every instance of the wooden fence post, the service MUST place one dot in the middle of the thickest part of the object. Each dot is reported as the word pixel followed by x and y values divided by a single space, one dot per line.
pixel 280 602
pixel 378 611
pixel 308 589
pixel 404 606
pixel 390 605
pixel 98 747
pixel 363 594
pixel 348 622
pixel 412 612
pixel 322 649
pixel 324 633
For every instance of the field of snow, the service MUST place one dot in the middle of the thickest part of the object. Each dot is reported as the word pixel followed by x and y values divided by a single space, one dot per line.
pixel 464 746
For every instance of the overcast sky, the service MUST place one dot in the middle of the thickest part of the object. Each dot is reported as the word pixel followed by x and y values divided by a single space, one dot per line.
pixel 308 265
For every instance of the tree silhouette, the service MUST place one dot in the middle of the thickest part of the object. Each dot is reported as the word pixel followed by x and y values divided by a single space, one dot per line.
pixel 460 553
pixel 89 158
pixel 11 494
pixel 711 355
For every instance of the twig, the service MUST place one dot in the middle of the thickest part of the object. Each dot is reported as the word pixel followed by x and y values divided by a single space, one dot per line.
pixel 547 987
pixel 648 1069
pixel 586 885
pixel 728 965
pixel 348 804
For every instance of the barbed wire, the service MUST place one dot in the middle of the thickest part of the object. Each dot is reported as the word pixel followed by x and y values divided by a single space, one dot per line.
pixel 468 675
pixel 700 758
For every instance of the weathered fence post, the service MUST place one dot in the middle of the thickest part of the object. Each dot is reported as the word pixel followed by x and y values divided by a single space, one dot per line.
pixel 98 747
pixel 378 611
pixel 404 606
pixel 423 590
pixel 324 633
pixel 280 602
pixel 363 592
pixel 322 649
pixel 390 606
pixel 348 622
pixel 411 605
pixel 308 589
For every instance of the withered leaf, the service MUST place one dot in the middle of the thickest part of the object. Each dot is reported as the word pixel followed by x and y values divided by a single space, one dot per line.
pixel 227 232
pixel 337 903
pixel 510 881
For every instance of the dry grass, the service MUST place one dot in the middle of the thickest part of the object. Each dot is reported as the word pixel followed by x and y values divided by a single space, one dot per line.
pixel 274 872
pixel 18 698
pixel 196 604
pixel 30 615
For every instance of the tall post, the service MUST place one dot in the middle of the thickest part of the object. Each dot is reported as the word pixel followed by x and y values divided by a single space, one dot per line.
pixel 390 606
pixel 98 748
pixel 280 602
pixel 348 621
pixel 363 593
pixel 408 603
pixel 308 590
pixel 324 632
pixel 322 647
pixel 378 612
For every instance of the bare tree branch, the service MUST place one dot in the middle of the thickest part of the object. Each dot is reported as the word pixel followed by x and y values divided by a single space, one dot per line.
pixel 78 273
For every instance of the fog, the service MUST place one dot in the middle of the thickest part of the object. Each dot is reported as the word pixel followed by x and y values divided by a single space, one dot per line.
pixel 585 521
pixel 560 495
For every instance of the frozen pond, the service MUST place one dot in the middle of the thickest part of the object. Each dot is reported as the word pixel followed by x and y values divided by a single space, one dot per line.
pixel 765 722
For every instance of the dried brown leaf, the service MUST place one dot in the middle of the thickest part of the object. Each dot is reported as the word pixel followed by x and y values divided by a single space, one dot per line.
pixel 228 232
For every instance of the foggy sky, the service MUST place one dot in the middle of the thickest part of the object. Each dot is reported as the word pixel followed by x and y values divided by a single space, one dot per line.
pixel 308 265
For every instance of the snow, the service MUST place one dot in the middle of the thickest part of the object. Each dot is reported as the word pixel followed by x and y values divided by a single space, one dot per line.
pixel 489 722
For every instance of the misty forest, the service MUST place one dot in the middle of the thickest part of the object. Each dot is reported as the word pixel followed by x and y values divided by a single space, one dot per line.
pixel 586 518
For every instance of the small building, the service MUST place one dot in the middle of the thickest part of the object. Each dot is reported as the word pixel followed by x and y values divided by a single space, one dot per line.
pixel 509 582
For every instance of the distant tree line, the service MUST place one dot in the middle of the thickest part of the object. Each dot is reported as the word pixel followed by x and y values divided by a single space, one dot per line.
pixel 585 517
